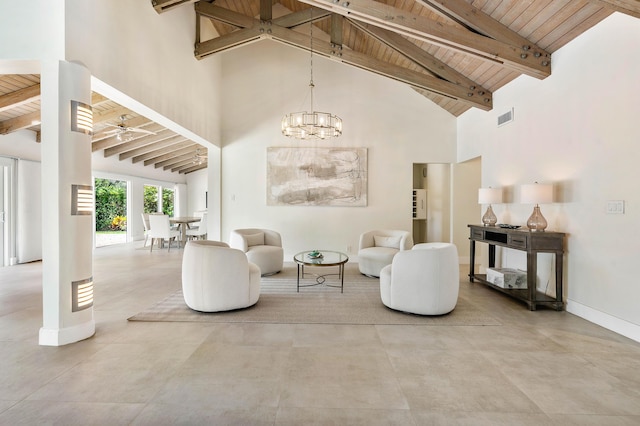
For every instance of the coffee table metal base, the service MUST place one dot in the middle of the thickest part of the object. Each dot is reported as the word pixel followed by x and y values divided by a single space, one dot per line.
pixel 326 258
pixel 320 278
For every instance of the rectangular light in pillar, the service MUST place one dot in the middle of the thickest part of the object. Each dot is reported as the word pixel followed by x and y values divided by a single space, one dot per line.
pixel 81 294
pixel 81 118
pixel 81 200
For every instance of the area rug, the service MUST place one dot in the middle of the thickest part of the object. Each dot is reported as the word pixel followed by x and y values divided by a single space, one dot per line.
pixel 279 303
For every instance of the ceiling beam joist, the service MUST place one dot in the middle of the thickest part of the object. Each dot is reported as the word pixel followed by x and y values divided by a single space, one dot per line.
pixel 171 162
pixel 628 7
pixel 19 97
pixel 470 16
pixel 420 57
pixel 164 5
pixel 18 123
pixel 523 59
pixel 165 154
pixel 360 60
pixel 229 41
pixel 194 169
pixel 149 149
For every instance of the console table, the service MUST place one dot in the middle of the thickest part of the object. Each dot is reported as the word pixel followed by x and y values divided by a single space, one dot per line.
pixel 523 240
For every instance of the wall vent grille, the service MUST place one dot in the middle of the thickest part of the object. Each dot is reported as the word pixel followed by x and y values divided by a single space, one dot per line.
pixel 505 118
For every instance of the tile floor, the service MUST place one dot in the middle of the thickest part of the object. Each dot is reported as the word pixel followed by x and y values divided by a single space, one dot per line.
pixel 538 368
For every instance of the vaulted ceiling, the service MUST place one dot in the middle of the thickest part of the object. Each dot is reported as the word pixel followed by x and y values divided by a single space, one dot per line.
pixel 456 53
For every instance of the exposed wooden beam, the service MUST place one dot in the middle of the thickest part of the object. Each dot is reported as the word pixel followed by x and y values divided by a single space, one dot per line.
pixel 164 5
pixel 167 143
pixel 466 14
pixel 301 17
pixel 178 165
pixel 530 62
pixel 420 57
pixel 628 7
pixel 360 60
pixel 265 10
pixel 229 41
pixel 18 123
pixel 140 142
pixel 335 33
pixel 194 168
pixel 167 164
pixel 168 153
pixel 19 97
pixel 224 15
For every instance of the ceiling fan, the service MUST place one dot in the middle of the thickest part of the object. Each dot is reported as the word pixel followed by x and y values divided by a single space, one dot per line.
pixel 200 156
pixel 123 132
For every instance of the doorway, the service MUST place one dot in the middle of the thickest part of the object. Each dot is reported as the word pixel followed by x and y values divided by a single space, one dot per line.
pixel 111 212
pixel 435 180
pixel 7 182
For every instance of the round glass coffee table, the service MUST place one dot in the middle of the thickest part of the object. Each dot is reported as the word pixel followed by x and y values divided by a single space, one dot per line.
pixel 327 258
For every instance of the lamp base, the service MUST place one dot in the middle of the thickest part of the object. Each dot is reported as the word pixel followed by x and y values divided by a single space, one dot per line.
pixel 536 222
pixel 489 218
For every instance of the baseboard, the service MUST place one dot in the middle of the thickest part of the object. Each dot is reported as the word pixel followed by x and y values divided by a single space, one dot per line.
pixel 620 326
pixel 64 336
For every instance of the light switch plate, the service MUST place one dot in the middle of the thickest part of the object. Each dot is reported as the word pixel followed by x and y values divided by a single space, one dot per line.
pixel 615 207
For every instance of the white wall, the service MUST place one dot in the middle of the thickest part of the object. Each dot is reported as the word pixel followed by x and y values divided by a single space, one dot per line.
pixel 196 191
pixel 464 204
pixel 148 57
pixel 29 212
pixel 399 127
pixel 578 130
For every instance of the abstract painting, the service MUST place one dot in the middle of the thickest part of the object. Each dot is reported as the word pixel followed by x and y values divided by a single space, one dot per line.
pixel 317 176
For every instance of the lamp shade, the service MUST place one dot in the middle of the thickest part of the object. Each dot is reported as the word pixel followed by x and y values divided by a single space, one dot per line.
pixel 489 195
pixel 536 193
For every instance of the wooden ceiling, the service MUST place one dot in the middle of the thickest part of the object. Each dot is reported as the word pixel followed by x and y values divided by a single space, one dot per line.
pixel 456 53
pixel 20 109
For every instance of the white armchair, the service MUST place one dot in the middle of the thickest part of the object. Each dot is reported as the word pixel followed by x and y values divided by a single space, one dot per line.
pixel 424 280
pixel 262 247
pixel 377 248
pixel 218 278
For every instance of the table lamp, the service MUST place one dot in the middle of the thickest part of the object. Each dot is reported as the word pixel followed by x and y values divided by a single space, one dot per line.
pixel 489 196
pixel 536 193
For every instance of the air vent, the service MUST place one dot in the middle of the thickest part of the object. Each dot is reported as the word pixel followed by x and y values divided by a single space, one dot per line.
pixel 505 118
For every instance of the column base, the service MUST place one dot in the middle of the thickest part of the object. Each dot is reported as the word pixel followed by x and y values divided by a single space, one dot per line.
pixel 64 336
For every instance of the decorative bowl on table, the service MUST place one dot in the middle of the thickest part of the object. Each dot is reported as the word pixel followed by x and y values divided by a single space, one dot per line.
pixel 315 254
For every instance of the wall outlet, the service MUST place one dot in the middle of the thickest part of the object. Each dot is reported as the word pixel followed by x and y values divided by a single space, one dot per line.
pixel 615 207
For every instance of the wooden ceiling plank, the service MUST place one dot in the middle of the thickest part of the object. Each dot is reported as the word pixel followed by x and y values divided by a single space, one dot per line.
pixel 421 28
pixel 336 29
pixel 628 7
pixel 140 151
pixel 366 62
pixel 18 123
pixel 112 114
pixel 168 154
pixel 97 99
pixel 19 97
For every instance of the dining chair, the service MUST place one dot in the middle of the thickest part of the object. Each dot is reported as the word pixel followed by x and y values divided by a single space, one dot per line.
pixel 145 223
pixel 160 229
pixel 200 231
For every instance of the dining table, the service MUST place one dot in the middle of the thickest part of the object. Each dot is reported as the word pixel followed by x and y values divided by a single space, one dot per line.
pixel 183 224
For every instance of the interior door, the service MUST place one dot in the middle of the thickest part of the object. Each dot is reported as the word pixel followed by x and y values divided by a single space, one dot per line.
pixel 4 209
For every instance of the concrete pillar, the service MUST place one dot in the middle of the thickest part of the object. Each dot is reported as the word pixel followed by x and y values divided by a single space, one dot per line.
pixel 67 248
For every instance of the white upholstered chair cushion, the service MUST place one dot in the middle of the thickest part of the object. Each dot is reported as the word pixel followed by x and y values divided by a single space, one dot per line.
pixel 218 278
pixel 376 249
pixel 261 246
pixel 424 280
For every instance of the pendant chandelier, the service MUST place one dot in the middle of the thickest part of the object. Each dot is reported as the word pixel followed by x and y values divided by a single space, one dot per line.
pixel 311 125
